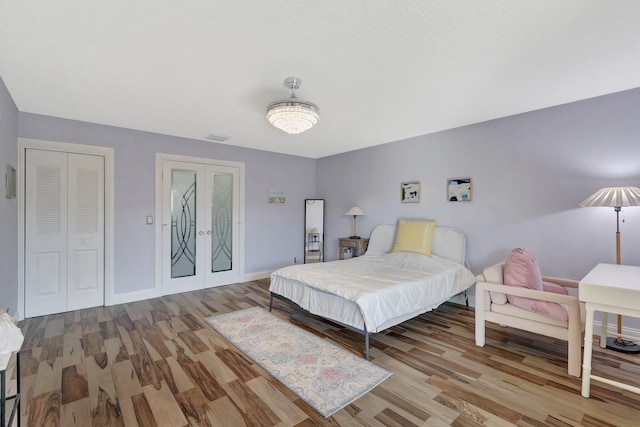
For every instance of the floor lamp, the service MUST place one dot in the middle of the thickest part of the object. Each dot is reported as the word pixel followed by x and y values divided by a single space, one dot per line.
pixel 617 198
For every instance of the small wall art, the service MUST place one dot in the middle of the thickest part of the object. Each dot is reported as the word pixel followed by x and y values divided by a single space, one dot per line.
pixel 410 192
pixel 459 189
pixel 276 197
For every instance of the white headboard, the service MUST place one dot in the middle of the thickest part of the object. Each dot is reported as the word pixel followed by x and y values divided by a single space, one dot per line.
pixel 448 242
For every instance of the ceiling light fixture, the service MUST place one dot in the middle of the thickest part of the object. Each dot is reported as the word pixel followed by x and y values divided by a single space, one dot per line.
pixel 293 115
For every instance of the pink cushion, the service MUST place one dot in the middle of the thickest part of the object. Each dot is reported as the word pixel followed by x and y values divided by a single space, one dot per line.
pixel 521 270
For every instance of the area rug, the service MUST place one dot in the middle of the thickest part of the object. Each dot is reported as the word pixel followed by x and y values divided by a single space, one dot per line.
pixel 322 374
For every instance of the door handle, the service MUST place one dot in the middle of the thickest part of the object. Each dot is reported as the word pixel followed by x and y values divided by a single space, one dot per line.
pixel 208 232
pixel 200 232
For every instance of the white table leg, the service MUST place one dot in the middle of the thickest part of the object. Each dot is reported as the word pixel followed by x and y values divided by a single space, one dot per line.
pixel 588 348
pixel 603 333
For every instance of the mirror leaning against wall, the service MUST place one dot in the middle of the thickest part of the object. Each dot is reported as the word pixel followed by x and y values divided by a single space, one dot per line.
pixel 313 230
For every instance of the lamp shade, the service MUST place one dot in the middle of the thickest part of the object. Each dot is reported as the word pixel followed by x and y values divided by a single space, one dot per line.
pixel 614 197
pixel 355 211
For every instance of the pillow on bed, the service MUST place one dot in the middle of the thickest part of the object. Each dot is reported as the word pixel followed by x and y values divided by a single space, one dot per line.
pixel 414 236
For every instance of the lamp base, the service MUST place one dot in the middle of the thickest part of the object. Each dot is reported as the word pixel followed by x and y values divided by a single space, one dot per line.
pixel 623 346
pixel 354 237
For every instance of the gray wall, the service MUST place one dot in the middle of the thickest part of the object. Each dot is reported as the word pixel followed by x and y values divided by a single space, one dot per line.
pixel 8 207
pixel 273 234
pixel 529 174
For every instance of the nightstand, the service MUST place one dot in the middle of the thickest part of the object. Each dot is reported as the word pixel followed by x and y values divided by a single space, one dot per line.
pixel 357 247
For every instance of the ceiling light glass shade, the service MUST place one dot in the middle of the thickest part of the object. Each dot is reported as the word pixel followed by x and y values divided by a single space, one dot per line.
pixel 614 197
pixel 293 115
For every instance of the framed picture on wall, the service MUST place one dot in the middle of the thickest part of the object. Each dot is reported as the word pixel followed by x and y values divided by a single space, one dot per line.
pixel 410 192
pixel 276 197
pixel 459 189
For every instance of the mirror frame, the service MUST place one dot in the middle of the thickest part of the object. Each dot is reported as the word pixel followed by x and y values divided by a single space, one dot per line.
pixel 314 217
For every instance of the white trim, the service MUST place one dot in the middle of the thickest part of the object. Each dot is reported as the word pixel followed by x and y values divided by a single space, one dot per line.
pixel 256 276
pixel 107 153
pixel 133 296
pixel 612 331
pixel 161 157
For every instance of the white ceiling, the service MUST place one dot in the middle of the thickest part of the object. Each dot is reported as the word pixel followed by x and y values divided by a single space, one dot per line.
pixel 379 70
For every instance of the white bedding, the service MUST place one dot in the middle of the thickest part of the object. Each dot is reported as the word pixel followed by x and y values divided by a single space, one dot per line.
pixel 374 291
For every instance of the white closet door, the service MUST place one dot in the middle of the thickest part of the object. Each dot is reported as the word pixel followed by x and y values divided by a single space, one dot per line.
pixel 64 232
pixel 46 232
pixel 85 231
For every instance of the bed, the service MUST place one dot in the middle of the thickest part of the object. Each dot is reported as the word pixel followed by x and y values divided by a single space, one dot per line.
pixel 381 288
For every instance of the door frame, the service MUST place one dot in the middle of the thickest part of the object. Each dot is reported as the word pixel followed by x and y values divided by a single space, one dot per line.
pixel 107 154
pixel 160 158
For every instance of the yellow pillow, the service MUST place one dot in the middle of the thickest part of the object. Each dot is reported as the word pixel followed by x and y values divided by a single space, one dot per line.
pixel 414 236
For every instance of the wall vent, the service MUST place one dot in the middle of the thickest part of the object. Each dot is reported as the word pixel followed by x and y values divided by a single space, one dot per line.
pixel 216 138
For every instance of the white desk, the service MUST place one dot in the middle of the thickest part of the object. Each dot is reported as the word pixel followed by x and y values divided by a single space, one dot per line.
pixel 608 288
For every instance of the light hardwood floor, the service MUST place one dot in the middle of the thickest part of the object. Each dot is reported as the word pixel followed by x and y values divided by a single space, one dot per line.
pixel 157 363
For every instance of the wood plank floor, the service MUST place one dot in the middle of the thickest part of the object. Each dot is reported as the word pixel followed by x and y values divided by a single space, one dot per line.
pixel 157 363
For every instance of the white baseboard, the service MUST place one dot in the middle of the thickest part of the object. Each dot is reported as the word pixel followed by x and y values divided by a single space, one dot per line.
pixel 128 297
pixel 133 296
pixel 612 331
pixel 257 276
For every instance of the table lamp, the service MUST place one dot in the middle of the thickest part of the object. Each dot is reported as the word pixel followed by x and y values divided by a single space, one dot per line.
pixel 616 198
pixel 355 211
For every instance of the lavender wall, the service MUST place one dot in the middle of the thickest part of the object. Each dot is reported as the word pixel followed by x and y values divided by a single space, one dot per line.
pixel 273 234
pixel 8 207
pixel 529 174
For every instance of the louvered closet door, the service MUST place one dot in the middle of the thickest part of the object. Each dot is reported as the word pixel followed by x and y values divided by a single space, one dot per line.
pixel 85 236
pixel 46 233
pixel 64 232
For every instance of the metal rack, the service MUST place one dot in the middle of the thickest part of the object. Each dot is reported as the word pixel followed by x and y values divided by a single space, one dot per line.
pixel 4 398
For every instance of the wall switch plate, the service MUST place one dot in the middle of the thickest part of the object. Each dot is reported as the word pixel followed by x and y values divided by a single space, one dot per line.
pixel 149 219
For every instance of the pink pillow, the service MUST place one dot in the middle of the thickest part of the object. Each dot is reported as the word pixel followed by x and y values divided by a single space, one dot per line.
pixel 521 270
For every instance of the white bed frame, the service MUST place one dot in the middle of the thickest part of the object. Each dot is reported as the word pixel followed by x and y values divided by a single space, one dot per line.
pixel 448 242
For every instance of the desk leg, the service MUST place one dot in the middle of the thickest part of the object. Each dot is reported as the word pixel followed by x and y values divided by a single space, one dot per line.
pixel 603 333
pixel 588 348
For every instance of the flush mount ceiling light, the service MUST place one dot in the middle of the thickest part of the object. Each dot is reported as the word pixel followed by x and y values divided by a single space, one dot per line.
pixel 293 115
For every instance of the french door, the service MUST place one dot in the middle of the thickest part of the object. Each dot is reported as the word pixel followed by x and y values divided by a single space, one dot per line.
pixel 200 226
pixel 64 231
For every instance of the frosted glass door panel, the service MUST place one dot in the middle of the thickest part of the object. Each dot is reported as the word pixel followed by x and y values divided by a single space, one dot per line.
pixel 183 223
pixel 200 226
pixel 221 222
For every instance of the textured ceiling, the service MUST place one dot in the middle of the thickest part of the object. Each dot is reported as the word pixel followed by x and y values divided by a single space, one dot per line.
pixel 380 71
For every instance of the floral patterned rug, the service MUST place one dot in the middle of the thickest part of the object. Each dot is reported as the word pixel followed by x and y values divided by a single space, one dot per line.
pixel 322 374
